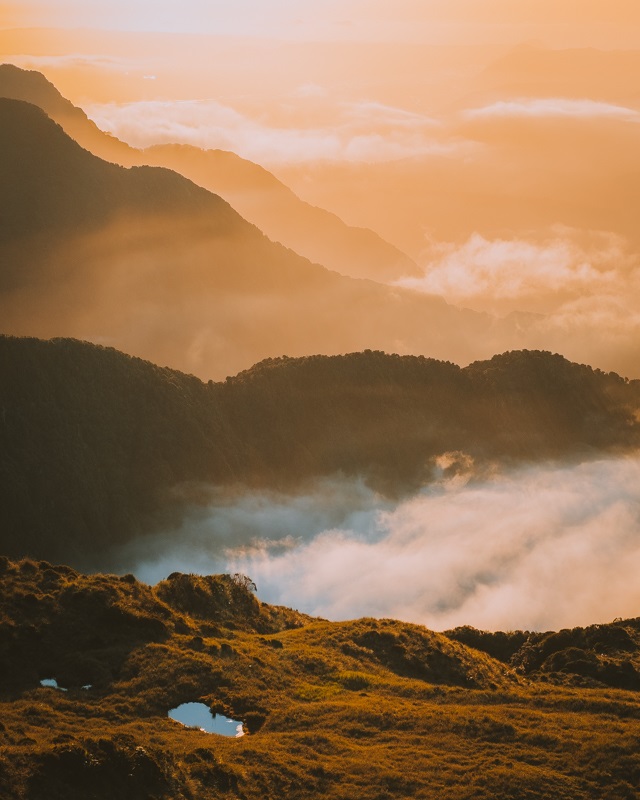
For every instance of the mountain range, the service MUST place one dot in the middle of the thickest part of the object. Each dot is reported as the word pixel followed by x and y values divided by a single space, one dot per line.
pixel 98 447
pixel 254 192
pixel 169 255
pixel 145 260
pixel 138 263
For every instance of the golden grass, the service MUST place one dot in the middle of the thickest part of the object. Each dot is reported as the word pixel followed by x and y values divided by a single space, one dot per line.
pixel 363 709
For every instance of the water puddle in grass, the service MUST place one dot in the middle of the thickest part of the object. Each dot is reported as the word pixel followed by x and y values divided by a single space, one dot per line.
pixel 52 683
pixel 197 715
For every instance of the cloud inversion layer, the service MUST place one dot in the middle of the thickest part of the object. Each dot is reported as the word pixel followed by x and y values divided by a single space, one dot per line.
pixel 536 549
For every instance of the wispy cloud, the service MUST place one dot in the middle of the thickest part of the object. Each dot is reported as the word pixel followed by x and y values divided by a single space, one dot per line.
pixel 75 61
pixel 553 107
pixel 369 112
pixel 363 131
pixel 570 291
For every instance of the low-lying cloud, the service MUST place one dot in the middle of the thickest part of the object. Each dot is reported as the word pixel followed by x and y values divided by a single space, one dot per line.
pixel 539 548
pixel 570 291
pixel 361 131
pixel 537 275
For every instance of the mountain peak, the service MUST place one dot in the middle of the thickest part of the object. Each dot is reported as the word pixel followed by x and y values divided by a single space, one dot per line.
pixel 33 87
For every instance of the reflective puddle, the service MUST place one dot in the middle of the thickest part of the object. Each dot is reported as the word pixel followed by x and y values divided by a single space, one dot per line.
pixel 52 683
pixel 197 715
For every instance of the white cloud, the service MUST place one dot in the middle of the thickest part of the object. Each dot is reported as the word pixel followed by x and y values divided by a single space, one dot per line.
pixel 529 275
pixel 363 132
pixel 553 107
pixel 540 548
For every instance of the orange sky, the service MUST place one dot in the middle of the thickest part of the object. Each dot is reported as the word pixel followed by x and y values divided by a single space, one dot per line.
pixel 558 22
pixel 495 141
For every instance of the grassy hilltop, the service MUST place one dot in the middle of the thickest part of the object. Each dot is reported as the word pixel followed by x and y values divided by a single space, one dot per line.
pixel 367 708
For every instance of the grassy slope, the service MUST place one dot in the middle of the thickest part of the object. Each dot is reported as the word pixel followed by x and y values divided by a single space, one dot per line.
pixel 367 709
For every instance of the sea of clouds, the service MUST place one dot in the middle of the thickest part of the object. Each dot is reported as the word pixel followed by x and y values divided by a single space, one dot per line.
pixel 538 548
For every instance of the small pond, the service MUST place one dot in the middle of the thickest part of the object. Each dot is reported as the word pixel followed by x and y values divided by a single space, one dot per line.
pixel 52 683
pixel 198 715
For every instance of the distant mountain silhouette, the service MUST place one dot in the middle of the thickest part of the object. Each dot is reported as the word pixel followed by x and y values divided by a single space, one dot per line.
pixel 145 260
pixel 34 88
pixel 253 191
pixel 52 185
pixel 264 200
pixel 97 447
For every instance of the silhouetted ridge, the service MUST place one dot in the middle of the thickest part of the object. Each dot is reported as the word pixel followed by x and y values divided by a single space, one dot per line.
pixel 32 87
pixel 97 446
pixel 51 184
pixel 260 197
pixel 83 241
pixel 253 191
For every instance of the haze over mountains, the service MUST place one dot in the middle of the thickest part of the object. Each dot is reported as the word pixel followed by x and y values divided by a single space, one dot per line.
pixel 560 292
pixel 112 462
pixel 255 193
pixel 376 417
pixel 146 260
pixel 538 136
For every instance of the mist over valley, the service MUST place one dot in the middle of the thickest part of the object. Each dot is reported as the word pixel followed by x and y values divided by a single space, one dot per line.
pixel 319 400
pixel 300 471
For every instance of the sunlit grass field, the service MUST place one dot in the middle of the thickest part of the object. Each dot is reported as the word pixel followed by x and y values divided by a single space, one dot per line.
pixel 359 709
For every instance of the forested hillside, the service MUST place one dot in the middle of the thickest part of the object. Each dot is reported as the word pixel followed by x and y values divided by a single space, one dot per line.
pixel 97 447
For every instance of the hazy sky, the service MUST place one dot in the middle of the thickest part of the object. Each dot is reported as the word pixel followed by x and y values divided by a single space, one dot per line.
pixel 497 142
pixel 494 141
pixel 521 120
pixel 429 21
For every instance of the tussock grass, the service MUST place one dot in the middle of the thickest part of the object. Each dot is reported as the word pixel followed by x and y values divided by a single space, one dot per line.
pixel 367 708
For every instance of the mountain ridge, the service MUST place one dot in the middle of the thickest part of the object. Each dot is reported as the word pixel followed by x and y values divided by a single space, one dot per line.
pixel 41 149
pixel 118 446
pixel 255 193
pixel 83 240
